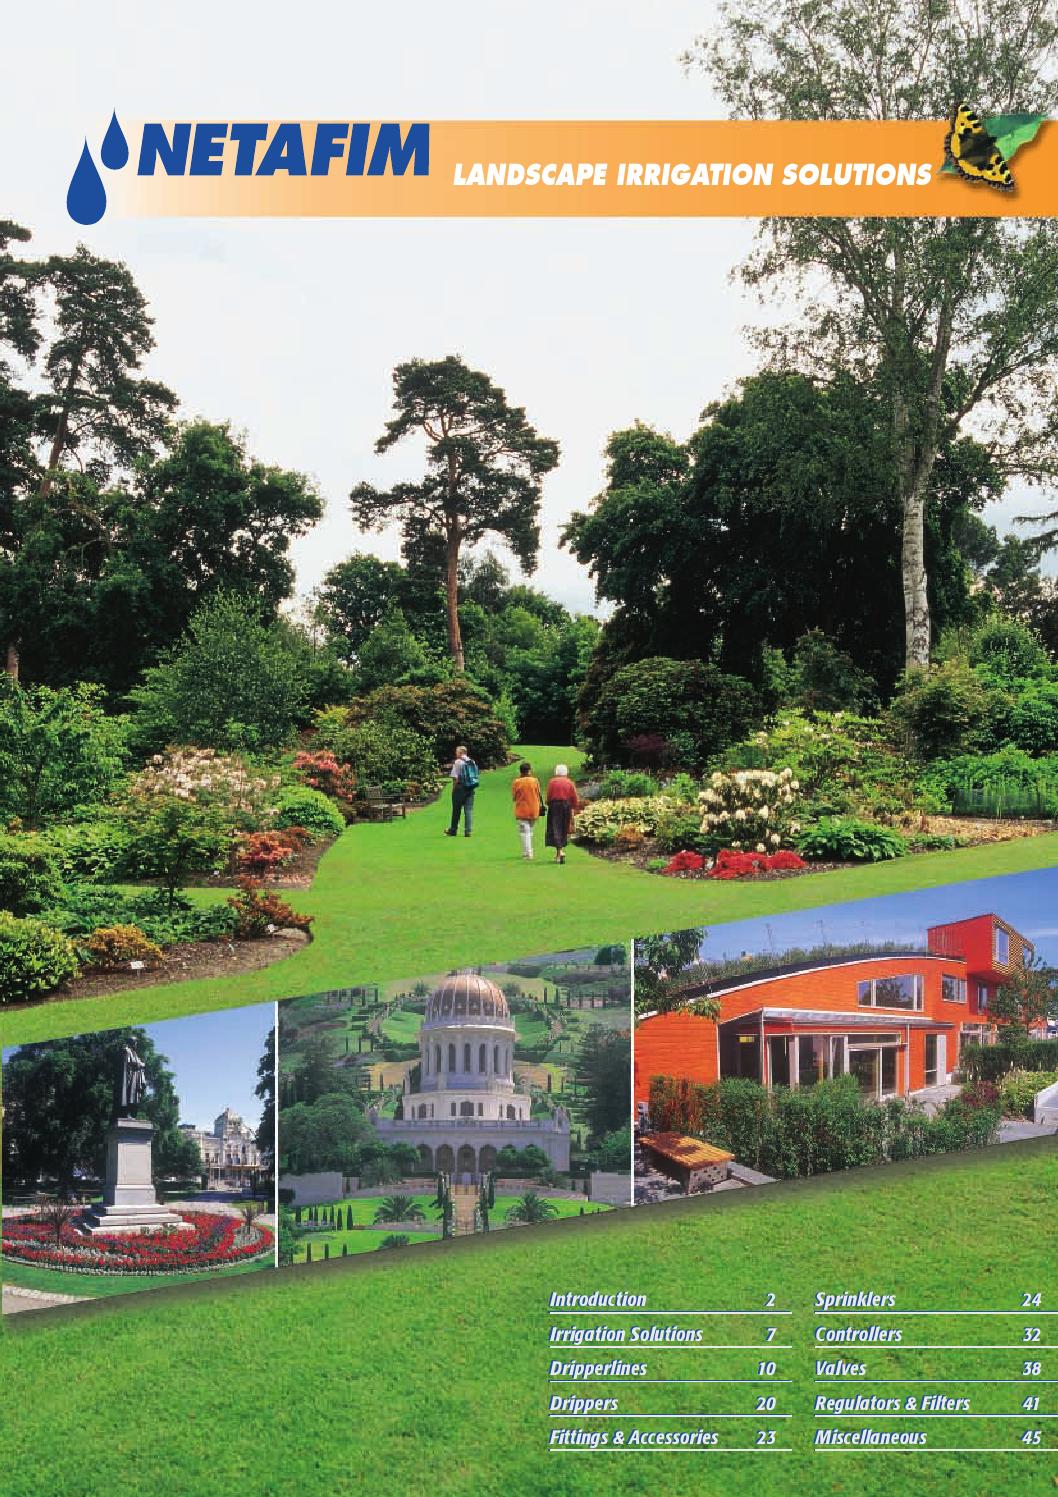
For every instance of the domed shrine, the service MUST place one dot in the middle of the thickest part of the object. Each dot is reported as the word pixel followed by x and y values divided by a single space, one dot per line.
pixel 466 1107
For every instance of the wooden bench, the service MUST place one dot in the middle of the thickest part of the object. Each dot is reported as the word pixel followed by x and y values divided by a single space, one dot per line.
pixel 382 806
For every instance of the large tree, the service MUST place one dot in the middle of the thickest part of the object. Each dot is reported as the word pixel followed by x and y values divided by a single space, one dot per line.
pixel 485 464
pixel 774 519
pixel 59 1103
pixel 955 319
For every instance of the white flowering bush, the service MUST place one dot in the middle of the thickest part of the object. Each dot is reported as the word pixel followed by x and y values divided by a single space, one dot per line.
pixel 750 809
pixel 243 794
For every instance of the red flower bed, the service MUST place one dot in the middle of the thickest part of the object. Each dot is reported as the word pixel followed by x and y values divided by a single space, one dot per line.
pixel 215 1241
pixel 732 864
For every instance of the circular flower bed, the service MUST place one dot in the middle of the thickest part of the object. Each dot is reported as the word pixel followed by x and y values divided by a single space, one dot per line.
pixel 215 1241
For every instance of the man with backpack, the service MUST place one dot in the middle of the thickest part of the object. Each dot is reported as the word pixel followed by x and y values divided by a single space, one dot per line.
pixel 465 780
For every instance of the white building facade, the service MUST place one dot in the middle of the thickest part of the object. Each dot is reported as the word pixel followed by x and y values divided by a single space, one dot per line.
pixel 231 1159
pixel 466 1107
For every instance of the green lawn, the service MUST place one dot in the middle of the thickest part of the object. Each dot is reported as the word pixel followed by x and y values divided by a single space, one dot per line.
pixel 355 1242
pixel 386 906
pixel 99 1286
pixel 403 1370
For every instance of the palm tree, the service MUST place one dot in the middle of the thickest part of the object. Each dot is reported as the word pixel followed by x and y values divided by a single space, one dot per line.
pixel 531 1209
pixel 394 1240
pixel 398 1209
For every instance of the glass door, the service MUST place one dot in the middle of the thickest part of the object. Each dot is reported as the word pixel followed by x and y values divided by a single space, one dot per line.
pixel 865 1065
pixel 931 1060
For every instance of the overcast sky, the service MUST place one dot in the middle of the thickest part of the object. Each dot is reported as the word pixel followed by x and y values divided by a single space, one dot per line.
pixel 290 329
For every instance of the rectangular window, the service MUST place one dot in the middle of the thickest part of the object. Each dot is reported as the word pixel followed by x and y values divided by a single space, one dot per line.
pixel 1002 946
pixel 892 992
pixel 953 989
pixel 982 997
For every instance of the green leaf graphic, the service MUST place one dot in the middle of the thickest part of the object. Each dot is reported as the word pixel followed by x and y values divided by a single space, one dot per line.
pixel 1009 131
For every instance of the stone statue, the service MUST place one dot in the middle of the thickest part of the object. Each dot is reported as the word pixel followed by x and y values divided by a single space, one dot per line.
pixel 133 1083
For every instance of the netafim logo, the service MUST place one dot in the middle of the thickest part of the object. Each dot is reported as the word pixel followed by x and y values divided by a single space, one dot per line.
pixel 86 199
pixel 250 149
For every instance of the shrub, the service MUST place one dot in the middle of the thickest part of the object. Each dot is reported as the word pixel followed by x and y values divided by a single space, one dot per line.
pixel 170 839
pixel 446 714
pixel 845 765
pixel 620 784
pixel 259 914
pixel 313 810
pixel 689 706
pixel 679 828
pixel 92 850
pixel 749 808
pixel 980 1094
pixel 730 864
pixel 34 959
pixel 992 1062
pixel 1008 782
pixel 58 751
pixel 384 754
pixel 324 773
pixel 845 839
pixel 29 874
pixel 86 907
pixel 1017 1090
pixel 240 791
pixel 947 709
pixel 116 946
pixel 601 820
pixel 261 855
pixel 684 862
pixel 232 682
pixel 628 838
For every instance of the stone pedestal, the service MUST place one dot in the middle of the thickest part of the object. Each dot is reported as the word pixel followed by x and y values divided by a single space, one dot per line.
pixel 129 1201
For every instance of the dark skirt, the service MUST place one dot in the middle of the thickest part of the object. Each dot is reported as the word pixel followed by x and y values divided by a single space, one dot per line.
pixel 559 823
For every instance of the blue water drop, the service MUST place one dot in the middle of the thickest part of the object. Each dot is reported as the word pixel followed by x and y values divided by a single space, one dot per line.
pixel 114 151
pixel 86 200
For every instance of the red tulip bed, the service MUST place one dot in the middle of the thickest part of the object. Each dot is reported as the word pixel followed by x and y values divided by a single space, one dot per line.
pixel 732 864
pixel 216 1241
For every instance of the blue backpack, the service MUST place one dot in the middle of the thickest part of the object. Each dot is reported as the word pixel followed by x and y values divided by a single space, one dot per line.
pixel 469 776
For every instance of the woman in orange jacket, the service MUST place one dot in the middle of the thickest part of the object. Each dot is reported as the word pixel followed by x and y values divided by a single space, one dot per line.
pixel 528 805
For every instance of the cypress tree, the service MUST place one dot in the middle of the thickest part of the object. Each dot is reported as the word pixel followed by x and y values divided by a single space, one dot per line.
pixel 326 1251
pixel 308 1252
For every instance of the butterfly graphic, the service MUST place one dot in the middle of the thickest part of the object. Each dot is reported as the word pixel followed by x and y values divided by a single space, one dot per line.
pixel 973 151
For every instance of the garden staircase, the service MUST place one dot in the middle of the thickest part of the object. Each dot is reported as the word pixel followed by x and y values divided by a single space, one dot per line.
pixel 464 1201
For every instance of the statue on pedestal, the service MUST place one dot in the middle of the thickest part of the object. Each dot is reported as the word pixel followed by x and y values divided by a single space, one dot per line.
pixel 131 1085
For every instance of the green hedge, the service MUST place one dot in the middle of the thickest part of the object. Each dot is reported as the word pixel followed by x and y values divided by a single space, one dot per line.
pixel 814 1130
pixel 991 1062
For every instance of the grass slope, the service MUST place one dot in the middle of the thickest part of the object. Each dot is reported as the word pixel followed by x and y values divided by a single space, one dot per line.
pixel 408 1371
pixel 399 900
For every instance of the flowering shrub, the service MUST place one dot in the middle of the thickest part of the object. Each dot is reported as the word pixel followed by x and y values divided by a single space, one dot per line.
pixel 750 808
pixel 258 914
pixel 34 959
pixel 324 772
pixel 214 1241
pixel 262 854
pixel 732 864
pixel 685 862
pixel 628 838
pixel 242 793
pixel 980 1094
pixel 601 820
pixel 114 946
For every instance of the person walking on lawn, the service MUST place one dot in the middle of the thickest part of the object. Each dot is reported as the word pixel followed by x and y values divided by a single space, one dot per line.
pixel 562 805
pixel 528 805
pixel 465 780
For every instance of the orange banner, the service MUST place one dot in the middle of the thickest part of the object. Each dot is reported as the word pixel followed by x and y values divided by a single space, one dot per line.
pixel 582 168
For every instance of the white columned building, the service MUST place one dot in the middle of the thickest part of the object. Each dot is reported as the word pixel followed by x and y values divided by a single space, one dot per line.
pixel 466 1107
